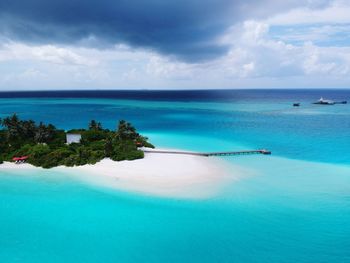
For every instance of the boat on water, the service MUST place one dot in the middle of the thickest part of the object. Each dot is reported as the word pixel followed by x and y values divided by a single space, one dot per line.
pixel 322 101
pixel 341 102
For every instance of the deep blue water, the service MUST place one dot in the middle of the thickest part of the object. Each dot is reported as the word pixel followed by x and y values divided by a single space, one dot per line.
pixel 295 208
pixel 254 118
pixel 187 95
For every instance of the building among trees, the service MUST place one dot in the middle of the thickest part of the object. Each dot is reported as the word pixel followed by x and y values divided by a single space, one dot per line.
pixel 73 138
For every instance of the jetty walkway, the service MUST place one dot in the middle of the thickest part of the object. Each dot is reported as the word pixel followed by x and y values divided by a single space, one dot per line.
pixel 262 151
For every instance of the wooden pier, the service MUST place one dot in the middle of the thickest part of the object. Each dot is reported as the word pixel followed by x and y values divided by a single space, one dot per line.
pixel 262 151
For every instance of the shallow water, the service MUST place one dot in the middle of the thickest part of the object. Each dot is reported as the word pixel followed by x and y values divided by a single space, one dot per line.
pixel 293 207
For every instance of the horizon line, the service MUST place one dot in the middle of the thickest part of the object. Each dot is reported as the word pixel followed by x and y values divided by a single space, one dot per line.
pixel 154 89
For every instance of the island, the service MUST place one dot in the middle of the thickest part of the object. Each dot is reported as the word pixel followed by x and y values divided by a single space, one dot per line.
pixel 109 159
pixel 43 145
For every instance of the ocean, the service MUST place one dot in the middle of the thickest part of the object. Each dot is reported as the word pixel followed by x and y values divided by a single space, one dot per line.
pixel 293 207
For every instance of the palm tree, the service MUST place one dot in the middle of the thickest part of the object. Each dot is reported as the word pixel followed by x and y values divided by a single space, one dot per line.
pixel 126 131
pixel 44 133
pixel 17 130
pixel 96 126
pixel 92 125
pixel 12 124
pixel 28 129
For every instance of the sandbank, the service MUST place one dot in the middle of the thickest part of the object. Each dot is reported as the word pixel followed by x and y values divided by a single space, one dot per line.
pixel 168 175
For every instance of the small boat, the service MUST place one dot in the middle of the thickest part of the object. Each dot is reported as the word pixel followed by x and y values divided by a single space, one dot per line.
pixel 322 101
pixel 341 102
pixel 296 104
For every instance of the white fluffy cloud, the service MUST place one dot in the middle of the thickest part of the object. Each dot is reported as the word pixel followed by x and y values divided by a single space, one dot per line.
pixel 334 12
pixel 260 55
pixel 44 53
pixel 254 54
pixel 279 59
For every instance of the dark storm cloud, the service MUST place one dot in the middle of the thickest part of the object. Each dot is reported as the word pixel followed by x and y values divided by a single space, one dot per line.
pixel 186 29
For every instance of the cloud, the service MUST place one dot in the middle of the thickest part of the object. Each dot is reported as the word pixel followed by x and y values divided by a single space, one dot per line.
pixel 185 29
pixel 253 54
pixel 335 12
pixel 167 44
pixel 254 60
pixel 252 44
pixel 320 34
pixel 44 53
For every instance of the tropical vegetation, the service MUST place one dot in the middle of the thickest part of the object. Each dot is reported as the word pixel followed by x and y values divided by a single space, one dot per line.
pixel 46 146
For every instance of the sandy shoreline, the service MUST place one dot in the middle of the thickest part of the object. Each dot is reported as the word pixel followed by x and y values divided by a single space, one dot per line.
pixel 172 175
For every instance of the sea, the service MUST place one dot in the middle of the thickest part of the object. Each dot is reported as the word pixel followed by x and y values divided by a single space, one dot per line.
pixel 293 206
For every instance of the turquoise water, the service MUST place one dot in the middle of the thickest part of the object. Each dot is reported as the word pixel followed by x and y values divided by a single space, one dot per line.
pixel 294 207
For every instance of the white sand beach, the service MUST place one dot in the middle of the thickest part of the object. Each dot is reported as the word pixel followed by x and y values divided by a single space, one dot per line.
pixel 13 166
pixel 171 175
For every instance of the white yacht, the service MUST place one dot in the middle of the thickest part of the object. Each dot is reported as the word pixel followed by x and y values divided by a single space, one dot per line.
pixel 324 102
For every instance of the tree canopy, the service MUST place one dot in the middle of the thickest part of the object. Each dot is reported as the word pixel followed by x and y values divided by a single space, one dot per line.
pixel 46 145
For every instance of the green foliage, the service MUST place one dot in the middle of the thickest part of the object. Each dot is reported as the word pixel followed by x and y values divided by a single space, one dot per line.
pixel 126 131
pixel 108 147
pixel 38 154
pixel 148 145
pixel 76 131
pixel 44 134
pixel 72 160
pixel 95 126
pixel 4 145
pixel 45 145
pixel 93 135
pixel 97 145
pixel 126 150
pixel 19 131
pixel 25 150
pixel 58 140
pixel 143 141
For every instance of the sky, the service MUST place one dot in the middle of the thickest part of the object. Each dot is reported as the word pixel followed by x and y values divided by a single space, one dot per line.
pixel 174 44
